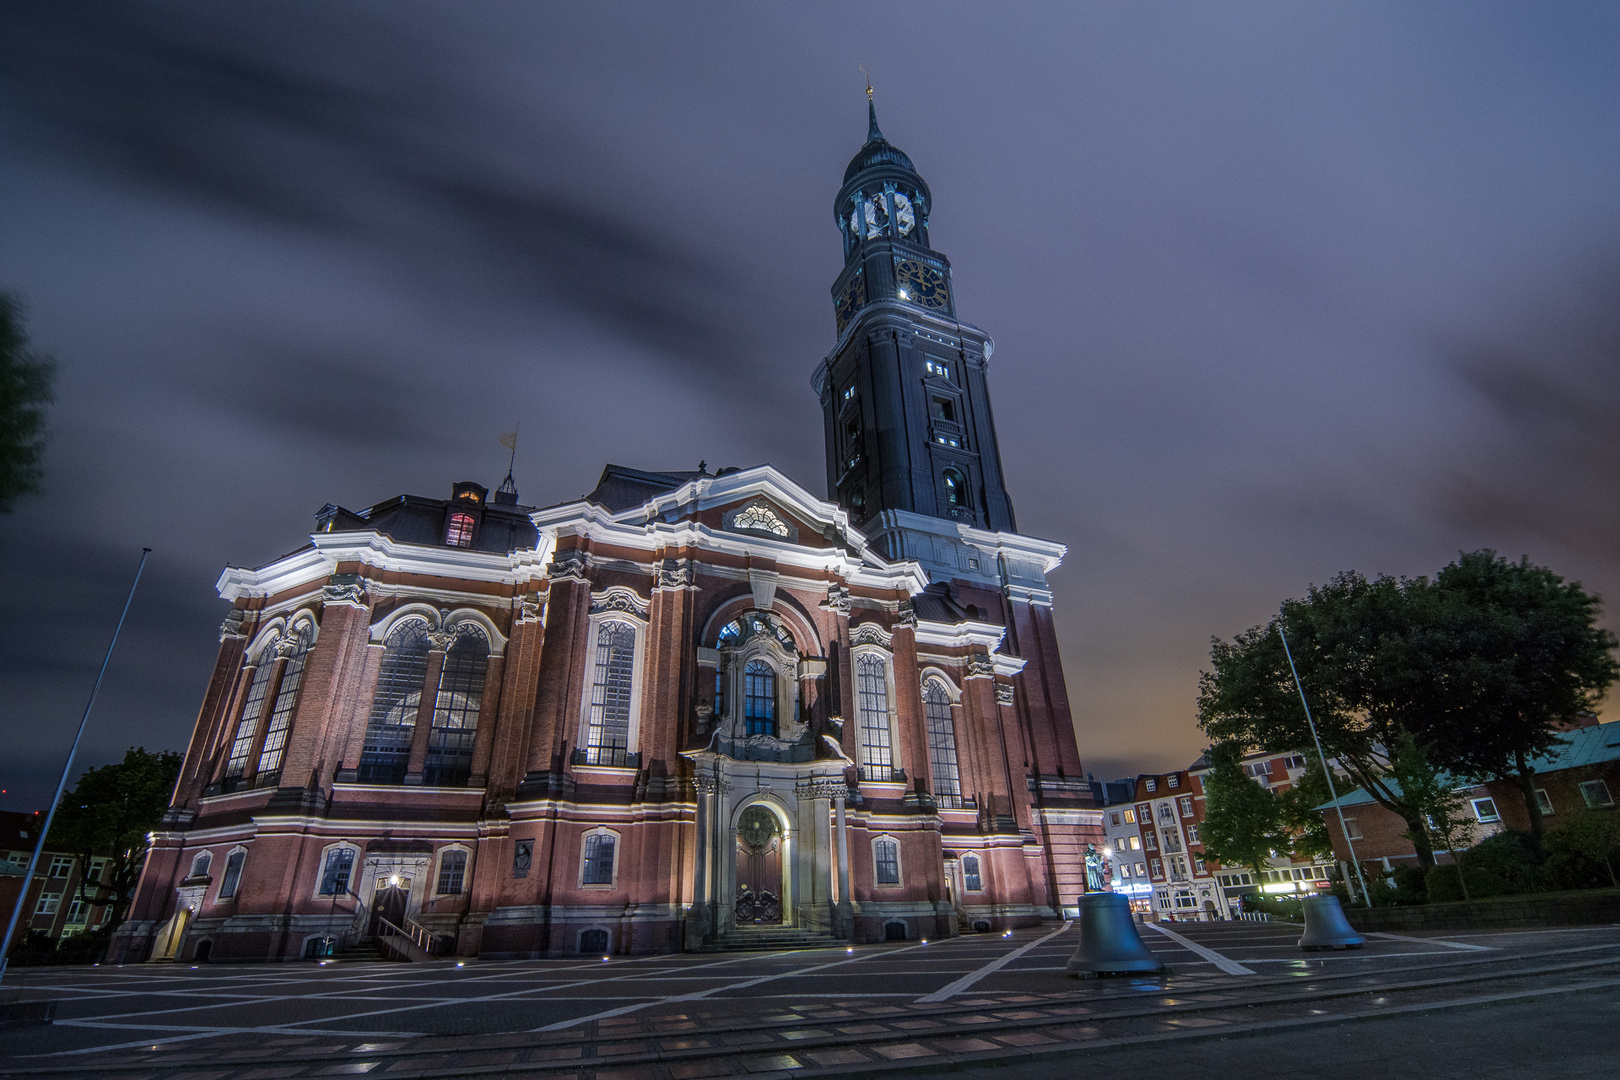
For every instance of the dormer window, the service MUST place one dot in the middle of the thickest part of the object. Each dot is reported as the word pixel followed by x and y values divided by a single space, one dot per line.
pixel 460 531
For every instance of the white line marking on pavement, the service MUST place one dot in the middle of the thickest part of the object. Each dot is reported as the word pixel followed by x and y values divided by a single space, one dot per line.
pixel 1433 941
pixel 952 989
pixel 745 984
pixel 1231 967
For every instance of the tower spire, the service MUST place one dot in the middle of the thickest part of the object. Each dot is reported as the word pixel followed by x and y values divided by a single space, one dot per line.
pixel 872 132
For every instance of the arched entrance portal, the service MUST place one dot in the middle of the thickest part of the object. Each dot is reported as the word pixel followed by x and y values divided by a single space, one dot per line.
pixel 759 868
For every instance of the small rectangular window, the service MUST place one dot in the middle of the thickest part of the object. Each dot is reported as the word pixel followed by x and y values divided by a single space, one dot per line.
pixel 1596 794
pixel 1130 817
pixel 1136 843
pixel 335 874
pixel 1119 845
pixel 1186 806
pixel 598 860
pixel 1151 784
pixel 452 869
pixel 970 874
pixel 1543 801
pixel 1485 810
pixel 1149 842
pixel 1192 834
pixel 1173 780
pixel 1157 867
pixel 460 531
pixel 1351 829
pixel 47 905
pixel 849 393
pixel 938 369
pixel 887 855
pixel 78 911
pixel 61 865
pixel 1114 817
pixel 1140 870
pixel 233 874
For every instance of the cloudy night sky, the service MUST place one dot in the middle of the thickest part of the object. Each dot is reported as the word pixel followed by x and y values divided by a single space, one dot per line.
pixel 1277 290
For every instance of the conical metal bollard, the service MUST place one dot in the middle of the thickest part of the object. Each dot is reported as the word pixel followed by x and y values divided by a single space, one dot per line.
pixel 1326 927
pixel 1109 943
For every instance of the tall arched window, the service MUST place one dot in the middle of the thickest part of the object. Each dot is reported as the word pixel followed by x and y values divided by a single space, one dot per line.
pixel 387 749
pixel 607 732
pixel 955 488
pixel 872 694
pixel 455 711
pixel 252 711
pixel 941 744
pixel 970 874
pixel 759 698
pixel 275 735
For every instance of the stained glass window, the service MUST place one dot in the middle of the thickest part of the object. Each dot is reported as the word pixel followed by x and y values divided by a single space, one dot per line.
pixel 941 744
pixel 252 709
pixel 607 735
pixel 759 690
pixel 275 736
pixel 455 710
pixel 387 748
pixel 872 693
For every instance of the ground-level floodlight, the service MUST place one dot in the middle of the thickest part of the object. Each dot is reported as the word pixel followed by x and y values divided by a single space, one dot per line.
pixel 1326 927
pixel 1109 943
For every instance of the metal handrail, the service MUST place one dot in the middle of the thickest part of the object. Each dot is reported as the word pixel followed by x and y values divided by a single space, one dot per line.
pixel 413 932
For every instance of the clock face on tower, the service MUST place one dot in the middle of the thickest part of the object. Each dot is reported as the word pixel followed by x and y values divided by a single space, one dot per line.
pixel 850 300
pixel 921 284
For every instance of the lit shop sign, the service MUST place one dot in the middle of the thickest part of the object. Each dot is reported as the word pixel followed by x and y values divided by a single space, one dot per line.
pixel 1133 889
pixel 1295 886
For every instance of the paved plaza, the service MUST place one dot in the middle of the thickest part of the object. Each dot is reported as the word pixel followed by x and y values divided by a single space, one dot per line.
pixel 960 1004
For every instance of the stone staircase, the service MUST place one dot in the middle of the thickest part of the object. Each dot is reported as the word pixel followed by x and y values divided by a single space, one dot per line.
pixel 364 951
pixel 772 938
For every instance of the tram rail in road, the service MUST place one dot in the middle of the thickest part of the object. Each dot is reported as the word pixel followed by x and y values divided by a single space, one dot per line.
pixel 800 1013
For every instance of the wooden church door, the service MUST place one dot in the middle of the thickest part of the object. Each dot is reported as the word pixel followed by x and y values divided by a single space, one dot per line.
pixel 759 868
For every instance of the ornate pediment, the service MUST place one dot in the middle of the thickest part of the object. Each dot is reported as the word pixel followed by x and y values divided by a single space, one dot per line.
pixel 618 598
pixel 870 633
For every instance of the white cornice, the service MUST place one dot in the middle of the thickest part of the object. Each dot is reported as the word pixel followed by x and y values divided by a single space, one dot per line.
pixel 381 552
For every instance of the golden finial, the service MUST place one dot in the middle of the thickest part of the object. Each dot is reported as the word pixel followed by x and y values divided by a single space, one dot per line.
pixel 868 75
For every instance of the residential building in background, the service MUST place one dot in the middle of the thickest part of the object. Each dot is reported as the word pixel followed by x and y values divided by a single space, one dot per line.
pixel 53 906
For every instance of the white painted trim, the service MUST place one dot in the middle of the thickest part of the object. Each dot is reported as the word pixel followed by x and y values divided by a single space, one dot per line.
pixel 618 849
pixel 899 862
pixel 638 674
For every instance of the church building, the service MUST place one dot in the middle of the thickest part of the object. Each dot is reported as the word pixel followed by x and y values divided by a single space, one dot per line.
pixel 689 711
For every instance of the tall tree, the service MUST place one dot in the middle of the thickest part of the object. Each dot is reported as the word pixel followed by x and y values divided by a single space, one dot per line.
pixel 107 816
pixel 1243 822
pixel 1516 653
pixel 25 390
pixel 1445 811
pixel 1342 636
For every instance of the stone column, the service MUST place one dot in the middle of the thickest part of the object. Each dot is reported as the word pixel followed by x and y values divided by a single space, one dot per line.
pixel 440 641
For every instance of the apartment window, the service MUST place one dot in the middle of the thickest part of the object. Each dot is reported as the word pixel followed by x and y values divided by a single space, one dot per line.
pixel 1136 843
pixel 48 905
pixel 1130 817
pixel 1167 812
pixel 387 747
pixel 872 692
pixel 61 865
pixel 1186 806
pixel 460 531
pixel 1172 781
pixel 275 735
pixel 941 744
pixel 233 874
pixel 452 871
pixel 1172 841
pixel 1351 829
pixel 1151 784
pixel 1198 865
pixel 607 731
pixel 1156 867
pixel 1543 801
pixel 78 912
pixel 455 709
pixel 886 857
pixel 1596 794
pixel 759 705
pixel 1295 762
pixel 335 874
pixel 1114 819
pixel 1140 870
pixel 597 859
pixel 1119 845
pixel 1192 834
pixel 1485 810
pixel 970 873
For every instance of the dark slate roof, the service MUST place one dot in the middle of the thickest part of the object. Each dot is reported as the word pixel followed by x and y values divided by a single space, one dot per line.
pixel 936 604
pixel 415 519
pixel 622 487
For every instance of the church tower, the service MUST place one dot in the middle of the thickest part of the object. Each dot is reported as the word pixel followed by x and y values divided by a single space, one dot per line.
pixel 907 410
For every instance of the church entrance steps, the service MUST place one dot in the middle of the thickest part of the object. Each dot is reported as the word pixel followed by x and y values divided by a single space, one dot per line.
pixel 774 938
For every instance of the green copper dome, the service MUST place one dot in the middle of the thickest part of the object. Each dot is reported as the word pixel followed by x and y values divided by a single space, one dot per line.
pixel 877 151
